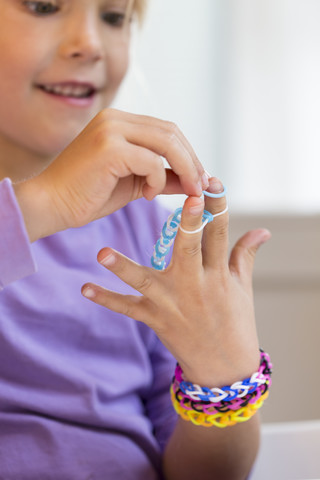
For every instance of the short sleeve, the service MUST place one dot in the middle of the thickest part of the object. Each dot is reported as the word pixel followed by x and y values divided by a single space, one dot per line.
pixel 16 259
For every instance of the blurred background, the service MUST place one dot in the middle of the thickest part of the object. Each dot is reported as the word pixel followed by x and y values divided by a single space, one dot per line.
pixel 241 78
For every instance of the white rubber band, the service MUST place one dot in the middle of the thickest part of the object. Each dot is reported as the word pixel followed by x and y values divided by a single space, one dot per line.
pixel 194 231
pixel 204 223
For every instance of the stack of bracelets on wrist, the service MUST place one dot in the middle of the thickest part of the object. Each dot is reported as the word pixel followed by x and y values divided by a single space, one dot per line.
pixel 224 406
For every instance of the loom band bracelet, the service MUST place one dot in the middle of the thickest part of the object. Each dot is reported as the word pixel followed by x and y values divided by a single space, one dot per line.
pixel 181 398
pixel 216 410
pixel 249 385
pixel 209 395
pixel 160 250
pixel 195 392
pixel 215 195
pixel 250 398
pixel 203 406
pixel 167 234
pixel 158 264
pixel 230 395
pixel 266 362
pixel 258 377
pixel 216 395
pixel 197 396
pixel 176 218
pixel 210 408
pixel 267 370
pixel 178 374
pixel 258 396
pixel 183 402
pixel 244 387
pixel 173 222
pixel 228 401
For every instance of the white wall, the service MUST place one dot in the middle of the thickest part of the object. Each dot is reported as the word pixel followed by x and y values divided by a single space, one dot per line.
pixel 270 103
pixel 241 78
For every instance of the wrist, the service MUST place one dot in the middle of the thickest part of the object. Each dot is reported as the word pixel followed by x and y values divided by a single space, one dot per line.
pixel 223 370
pixel 35 206
pixel 222 406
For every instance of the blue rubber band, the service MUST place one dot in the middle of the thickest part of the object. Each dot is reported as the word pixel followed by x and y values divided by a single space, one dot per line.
pixel 215 195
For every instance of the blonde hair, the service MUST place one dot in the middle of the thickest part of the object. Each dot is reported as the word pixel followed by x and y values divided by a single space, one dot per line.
pixel 137 7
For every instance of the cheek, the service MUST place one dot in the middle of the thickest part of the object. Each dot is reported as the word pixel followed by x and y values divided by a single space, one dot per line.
pixel 19 63
pixel 117 65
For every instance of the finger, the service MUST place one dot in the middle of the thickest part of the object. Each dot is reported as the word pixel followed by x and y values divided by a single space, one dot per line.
pixel 129 305
pixel 171 129
pixel 168 144
pixel 165 139
pixel 187 253
pixel 137 276
pixel 173 185
pixel 142 162
pixel 244 252
pixel 215 236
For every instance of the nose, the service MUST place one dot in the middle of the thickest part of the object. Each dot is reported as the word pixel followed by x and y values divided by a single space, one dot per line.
pixel 81 38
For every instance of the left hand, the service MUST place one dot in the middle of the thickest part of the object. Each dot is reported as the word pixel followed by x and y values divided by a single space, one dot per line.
pixel 201 305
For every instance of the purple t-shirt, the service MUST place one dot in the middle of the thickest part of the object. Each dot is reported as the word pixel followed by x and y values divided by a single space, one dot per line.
pixel 84 392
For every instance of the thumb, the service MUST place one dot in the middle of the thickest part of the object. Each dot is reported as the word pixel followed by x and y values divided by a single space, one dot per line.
pixel 243 253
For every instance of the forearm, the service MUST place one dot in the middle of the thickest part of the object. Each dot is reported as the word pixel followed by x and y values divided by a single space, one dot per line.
pixel 211 453
pixel 35 206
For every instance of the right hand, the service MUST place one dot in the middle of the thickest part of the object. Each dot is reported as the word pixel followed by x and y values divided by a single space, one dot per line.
pixel 114 160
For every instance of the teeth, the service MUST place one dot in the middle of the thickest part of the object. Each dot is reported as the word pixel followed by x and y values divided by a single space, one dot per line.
pixel 78 91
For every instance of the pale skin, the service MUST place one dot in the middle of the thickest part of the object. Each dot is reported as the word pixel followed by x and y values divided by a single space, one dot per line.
pixel 73 161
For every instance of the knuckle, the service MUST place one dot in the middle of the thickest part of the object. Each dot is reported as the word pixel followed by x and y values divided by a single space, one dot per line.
pixel 191 251
pixel 128 310
pixel 106 139
pixel 221 228
pixel 172 128
pixel 106 114
pixel 172 133
pixel 144 283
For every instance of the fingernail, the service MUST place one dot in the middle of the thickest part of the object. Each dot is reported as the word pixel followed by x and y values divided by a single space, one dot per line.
pixel 108 260
pixel 215 186
pixel 205 181
pixel 266 235
pixel 199 188
pixel 197 209
pixel 89 293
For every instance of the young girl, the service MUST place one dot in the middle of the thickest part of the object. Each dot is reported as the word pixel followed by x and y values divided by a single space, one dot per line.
pixel 85 390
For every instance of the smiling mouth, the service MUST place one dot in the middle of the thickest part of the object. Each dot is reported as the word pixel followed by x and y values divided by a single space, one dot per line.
pixel 69 90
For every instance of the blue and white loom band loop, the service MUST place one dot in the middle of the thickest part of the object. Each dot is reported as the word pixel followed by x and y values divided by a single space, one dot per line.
pixel 216 195
pixel 205 220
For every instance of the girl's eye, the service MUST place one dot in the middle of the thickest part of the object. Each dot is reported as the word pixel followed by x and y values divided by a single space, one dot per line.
pixel 114 19
pixel 42 8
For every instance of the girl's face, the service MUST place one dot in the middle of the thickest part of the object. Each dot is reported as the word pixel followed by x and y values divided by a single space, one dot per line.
pixel 61 61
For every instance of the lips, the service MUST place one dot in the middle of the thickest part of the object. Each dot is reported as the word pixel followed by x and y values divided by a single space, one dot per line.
pixel 69 90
